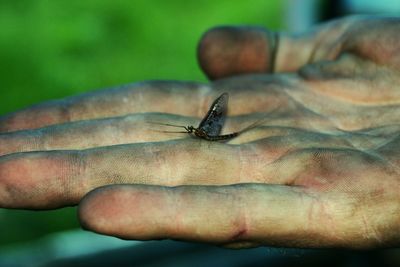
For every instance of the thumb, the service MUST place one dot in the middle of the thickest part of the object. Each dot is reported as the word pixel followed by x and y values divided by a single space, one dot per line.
pixel 228 50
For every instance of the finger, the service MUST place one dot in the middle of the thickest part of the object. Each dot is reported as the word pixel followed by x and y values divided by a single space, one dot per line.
pixel 187 99
pixel 40 180
pixel 85 134
pixel 372 39
pixel 150 127
pixel 43 180
pixel 172 97
pixel 136 128
pixel 52 179
pixel 227 51
pixel 234 215
pixel 375 39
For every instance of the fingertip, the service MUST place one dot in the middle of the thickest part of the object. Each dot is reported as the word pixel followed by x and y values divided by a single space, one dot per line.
pixel 227 50
pixel 96 209
pixel 124 211
pixel 34 117
pixel 16 121
pixel 40 180
pixel 85 208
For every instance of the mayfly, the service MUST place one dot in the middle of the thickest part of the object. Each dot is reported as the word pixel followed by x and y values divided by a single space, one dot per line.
pixel 211 125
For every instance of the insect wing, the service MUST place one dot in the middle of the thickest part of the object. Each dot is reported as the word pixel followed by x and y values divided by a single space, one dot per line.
pixel 215 118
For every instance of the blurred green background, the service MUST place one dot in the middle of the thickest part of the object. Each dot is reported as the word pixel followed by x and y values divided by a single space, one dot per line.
pixel 52 49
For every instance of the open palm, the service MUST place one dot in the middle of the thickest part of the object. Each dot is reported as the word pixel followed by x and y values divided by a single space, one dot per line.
pixel 319 169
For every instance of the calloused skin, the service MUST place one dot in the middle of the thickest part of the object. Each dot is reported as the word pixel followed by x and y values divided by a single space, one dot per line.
pixel 320 169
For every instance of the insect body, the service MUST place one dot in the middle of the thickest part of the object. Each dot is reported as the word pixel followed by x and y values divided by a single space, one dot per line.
pixel 202 134
pixel 211 125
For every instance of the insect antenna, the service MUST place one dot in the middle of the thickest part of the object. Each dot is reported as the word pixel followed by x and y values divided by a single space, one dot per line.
pixel 167 124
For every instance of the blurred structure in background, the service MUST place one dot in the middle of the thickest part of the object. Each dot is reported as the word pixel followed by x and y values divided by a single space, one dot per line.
pixel 391 7
pixel 300 15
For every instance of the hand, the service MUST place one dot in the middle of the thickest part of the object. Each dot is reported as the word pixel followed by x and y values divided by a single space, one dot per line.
pixel 322 170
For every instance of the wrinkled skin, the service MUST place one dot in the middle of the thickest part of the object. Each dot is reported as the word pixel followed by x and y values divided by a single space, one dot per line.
pixel 320 169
